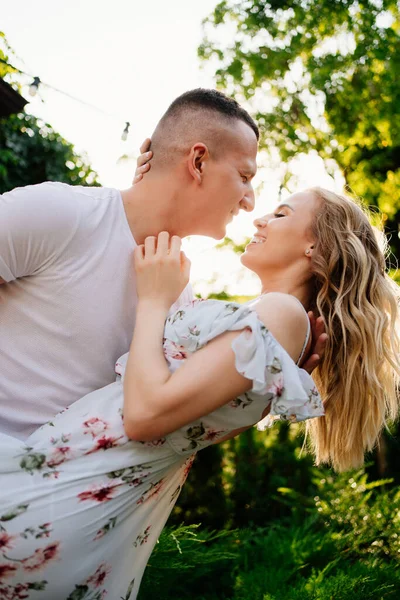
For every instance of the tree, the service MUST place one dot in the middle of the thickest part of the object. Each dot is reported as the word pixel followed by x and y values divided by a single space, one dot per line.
pixel 320 75
pixel 31 151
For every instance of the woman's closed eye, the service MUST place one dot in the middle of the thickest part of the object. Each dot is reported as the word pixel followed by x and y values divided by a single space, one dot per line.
pixel 279 215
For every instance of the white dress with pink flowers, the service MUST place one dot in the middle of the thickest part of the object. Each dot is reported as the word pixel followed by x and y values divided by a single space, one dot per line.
pixel 81 505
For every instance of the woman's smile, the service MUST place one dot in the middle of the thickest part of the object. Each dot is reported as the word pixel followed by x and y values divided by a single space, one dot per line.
pixel 257 239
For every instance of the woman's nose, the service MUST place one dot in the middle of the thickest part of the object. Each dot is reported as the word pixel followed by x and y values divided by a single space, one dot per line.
pixel 260 222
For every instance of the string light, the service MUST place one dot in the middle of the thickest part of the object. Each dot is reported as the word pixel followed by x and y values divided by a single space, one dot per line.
pixel 125 132
pixel 34 86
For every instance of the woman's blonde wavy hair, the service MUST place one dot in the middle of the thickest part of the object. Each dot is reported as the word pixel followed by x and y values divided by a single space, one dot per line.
pixel 358 376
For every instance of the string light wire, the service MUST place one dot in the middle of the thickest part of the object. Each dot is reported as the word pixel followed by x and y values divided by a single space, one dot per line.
pixel 34 86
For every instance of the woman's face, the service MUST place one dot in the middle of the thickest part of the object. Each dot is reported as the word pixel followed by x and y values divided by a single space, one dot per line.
pixel 282 237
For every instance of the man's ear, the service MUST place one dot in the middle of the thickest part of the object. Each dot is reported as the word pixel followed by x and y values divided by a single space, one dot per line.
pixel 197 159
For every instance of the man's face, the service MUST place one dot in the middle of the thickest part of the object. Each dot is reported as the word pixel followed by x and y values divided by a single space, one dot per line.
pixel 227 186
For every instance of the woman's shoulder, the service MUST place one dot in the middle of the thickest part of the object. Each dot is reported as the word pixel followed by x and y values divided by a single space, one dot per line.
pixel 285 316
pixel 286 304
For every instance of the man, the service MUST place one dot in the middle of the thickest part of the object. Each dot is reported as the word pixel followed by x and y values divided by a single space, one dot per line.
pixel 67 303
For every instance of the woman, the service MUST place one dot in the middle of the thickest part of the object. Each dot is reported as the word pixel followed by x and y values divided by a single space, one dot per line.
pixel 86 497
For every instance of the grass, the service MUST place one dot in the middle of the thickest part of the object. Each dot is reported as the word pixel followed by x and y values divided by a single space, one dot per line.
pixel 280 563
pixel 347 548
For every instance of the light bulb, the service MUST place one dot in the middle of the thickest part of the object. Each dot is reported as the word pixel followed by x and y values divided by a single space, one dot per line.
pixel 33 88
pixel 124 135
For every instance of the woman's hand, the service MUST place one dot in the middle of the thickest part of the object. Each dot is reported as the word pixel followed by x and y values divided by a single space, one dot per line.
pixel 143 162
pixel 162 270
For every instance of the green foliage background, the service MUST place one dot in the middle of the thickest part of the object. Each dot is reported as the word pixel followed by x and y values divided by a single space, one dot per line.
pixel 319 76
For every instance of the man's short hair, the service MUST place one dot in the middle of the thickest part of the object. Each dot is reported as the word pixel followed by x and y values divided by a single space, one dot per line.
pixel 200 115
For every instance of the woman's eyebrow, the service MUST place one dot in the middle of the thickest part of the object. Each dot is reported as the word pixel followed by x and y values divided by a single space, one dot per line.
pixel 285 204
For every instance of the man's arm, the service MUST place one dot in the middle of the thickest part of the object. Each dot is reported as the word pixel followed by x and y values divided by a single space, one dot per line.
pixel 319 339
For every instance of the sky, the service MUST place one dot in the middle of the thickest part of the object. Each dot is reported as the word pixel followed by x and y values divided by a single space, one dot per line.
pixel 130 59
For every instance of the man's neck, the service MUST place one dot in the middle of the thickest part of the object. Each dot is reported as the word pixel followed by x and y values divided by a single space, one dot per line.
pixel 150 207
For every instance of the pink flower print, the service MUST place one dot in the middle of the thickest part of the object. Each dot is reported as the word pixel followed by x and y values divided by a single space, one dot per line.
pixel 51 474
pixel 194 330
pixel 152 492
pixel 95 426
pixel 19 592
pixel 64 439
pixel 41 557
pixel 174 352
pixel 102 493
pixel 104 443
pixel 212 434
pixel 142 537
pixel 154 443
pixel 119 367
pixel 146 531
pixel 5 593
pixel 156 489
pixel 106 528
pixel 7 571
pixel 58 456
pixel 188 466
pixel 196 301
pixel 277 388
pixel 98 578
pixel 101 533
pixel 6 541
pixel 45 530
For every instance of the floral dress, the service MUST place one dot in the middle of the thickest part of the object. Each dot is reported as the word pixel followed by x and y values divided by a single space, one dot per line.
pixel 81 505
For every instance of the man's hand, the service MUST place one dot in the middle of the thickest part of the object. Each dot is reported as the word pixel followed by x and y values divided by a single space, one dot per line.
pixel 318 343
pixel 142 163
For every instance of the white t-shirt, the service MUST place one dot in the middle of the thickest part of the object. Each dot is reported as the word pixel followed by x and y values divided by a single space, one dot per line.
pixel 69 312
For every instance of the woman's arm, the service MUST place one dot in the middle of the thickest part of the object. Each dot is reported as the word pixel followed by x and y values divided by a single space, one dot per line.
pixel 143 161
pixel 157 402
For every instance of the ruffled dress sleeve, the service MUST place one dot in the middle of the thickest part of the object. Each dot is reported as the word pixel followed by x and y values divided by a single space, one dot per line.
pixel 277 382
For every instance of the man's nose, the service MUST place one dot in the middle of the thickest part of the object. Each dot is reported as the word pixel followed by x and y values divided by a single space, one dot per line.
pixel 247 203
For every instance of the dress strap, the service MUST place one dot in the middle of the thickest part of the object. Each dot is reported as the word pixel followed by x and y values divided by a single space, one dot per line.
pixel 307 334
pixel 305 342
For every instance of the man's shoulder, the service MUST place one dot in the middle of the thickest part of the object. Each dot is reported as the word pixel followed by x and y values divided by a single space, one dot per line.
pixel 57 189
pixel 40 188
pixel 99 192
pixel 61 198
pixel 77 191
